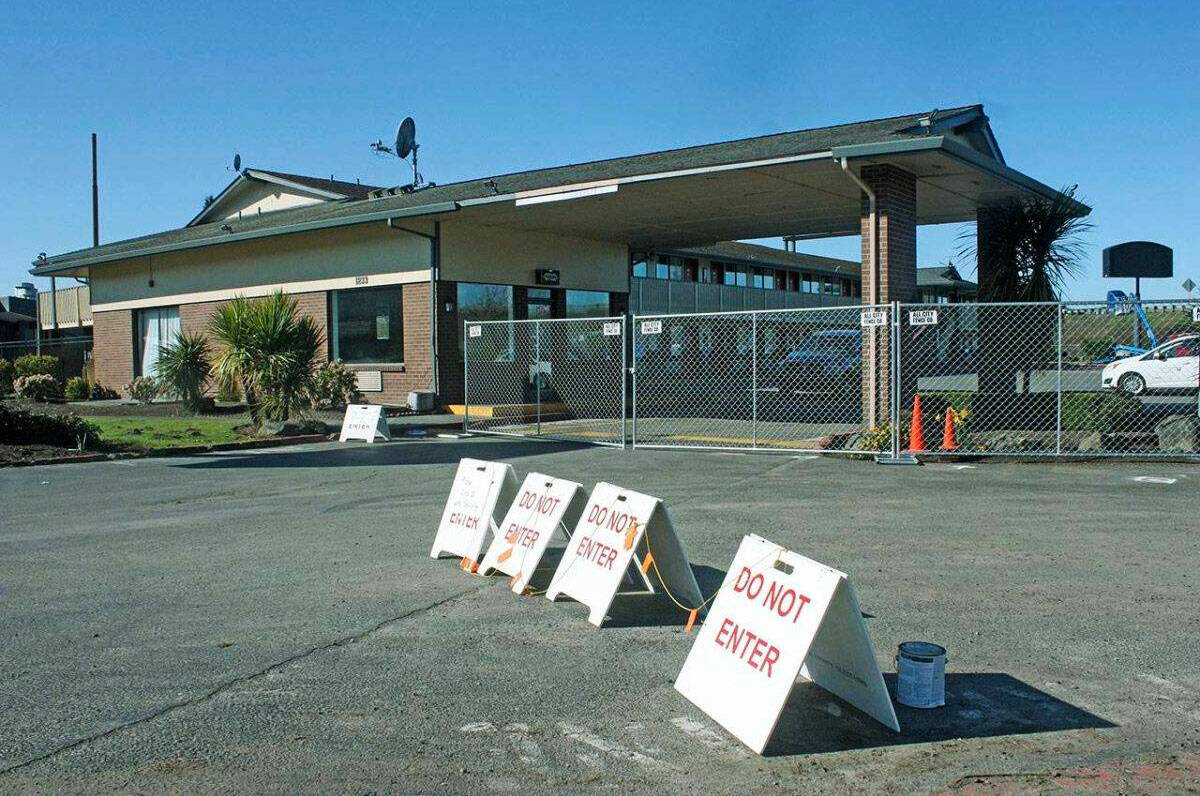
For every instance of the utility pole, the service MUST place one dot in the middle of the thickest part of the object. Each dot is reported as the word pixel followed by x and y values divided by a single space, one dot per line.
pixel 95 198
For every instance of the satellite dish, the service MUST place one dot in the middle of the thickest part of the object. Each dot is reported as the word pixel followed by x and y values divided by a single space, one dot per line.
pixel 406 137
pixel 237 162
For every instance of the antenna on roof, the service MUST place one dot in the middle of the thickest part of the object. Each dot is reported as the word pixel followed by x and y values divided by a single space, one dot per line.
pixel 237 163
pixel 405 145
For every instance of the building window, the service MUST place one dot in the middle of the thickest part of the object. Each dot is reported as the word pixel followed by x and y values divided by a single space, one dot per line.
pixel 477 302
pixel 539 303
pixel 587 304
pixel 662 268
pixel 368 325
pixel 157 328
pixel 639 267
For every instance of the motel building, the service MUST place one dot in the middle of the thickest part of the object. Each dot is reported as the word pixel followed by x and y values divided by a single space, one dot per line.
pixel 391 274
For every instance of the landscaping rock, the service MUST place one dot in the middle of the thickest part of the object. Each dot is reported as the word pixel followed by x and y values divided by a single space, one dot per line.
pixel 1178 434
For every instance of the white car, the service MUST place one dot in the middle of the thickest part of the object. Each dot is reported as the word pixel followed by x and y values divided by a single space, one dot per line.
pixel 1174 365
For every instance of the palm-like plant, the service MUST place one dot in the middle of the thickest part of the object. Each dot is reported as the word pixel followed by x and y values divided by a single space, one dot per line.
pixel 184 369
pixel 1033 248
pixel 269 349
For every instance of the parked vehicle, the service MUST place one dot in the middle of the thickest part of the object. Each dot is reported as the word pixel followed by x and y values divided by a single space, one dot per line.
pixel 1174 365
pixel 831 353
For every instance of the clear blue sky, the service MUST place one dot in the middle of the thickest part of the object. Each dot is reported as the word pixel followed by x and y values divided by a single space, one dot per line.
pixel 1094 93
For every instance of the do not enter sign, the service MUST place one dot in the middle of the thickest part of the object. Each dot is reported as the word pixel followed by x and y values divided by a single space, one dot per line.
pixel 778 618
pixel 543 506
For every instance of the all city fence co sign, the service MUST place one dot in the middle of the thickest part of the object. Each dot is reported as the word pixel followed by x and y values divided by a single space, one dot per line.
pixel 543 506
pixel 780 618
pixel 623 537
pixel 365 422
pixel 481 492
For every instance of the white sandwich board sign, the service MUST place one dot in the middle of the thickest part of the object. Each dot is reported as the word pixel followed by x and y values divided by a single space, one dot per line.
pixel 622 535
pixel 480 494
pixel 543 506
pixel 778 619
pixel 365 422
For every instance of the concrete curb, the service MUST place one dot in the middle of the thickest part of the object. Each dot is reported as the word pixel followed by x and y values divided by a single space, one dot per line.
pixel 275 442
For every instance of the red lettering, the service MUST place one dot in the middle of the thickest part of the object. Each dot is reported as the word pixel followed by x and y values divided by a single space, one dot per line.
pixel 748 647
pixel 743 577
pixel 752 589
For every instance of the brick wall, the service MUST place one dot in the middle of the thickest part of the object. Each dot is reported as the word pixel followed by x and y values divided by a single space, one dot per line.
pixel 112 348
pixel 896 207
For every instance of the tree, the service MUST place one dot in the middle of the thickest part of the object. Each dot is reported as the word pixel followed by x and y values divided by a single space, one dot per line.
pixel 184 369
pixel 1032 248
pixel 1025 251
pixel 269 349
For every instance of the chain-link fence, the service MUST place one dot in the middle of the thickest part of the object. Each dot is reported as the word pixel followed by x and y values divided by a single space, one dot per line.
pixel 798 380
pixel 1073 378
pixel 1114 378
pixel 558 379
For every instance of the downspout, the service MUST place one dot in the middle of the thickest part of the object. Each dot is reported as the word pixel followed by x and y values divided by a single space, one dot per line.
pixel 435 258
pixel 873 255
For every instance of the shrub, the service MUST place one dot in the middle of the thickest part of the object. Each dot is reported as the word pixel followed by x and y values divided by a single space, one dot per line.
pixel 77 389
pixel 22 427
pixel 100 393
pixel 142 389
pixel 270 349
pixel 38 387
pixel 228 391
pixel 6 377
pixel 334 385
pixel 184 370
pixel 37 364
pixel 1101 411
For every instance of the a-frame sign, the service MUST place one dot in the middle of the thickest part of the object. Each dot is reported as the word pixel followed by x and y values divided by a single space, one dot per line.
pixel 543 506
pixel 623 536
pixel 780 618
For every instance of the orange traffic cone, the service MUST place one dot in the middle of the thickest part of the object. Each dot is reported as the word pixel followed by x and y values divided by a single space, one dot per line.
pixel 949 443
pixel 916 435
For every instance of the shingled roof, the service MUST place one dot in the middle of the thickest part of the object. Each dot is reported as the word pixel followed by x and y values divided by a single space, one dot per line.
pixel 443 198
pixel 757 254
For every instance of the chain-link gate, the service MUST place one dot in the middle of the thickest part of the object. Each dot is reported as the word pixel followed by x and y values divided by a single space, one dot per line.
pixel 1043 379
pixel 556 379
pixel 798 380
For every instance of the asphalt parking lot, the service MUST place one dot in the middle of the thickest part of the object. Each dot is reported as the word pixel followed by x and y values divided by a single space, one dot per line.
pixel 270 621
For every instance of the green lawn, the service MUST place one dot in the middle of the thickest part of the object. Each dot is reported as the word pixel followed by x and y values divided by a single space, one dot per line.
pixel 157 433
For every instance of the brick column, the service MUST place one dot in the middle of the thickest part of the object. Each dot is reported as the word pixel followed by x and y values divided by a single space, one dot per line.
pixel 896 244
pixel 113 348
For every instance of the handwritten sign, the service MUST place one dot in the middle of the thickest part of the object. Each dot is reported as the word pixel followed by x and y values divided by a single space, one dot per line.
pixel 478 497
pixel 365 422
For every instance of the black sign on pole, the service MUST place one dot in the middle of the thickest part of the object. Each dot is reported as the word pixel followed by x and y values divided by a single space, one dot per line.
pixel 547 276
pixel 1138 259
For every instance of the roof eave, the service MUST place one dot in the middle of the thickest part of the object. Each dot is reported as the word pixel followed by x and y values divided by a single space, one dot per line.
pixel 51 268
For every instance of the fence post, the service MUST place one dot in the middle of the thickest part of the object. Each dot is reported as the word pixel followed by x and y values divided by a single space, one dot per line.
pixel 537 372
pixel 754 379
pixel 624 382
pixel 1059 389
pixel 894 387
pixel 466 382
pixel 633 369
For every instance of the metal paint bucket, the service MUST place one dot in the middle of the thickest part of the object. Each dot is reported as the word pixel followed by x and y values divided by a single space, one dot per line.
pixel 921 674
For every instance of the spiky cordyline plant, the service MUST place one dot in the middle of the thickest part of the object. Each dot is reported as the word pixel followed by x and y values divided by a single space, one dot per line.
pixel 268 348
pixel 184 369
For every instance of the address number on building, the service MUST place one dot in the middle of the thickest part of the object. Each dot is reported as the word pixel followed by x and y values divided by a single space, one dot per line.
pixel 612 329
pixel 651 327
pixel 922 318
pixel 1195 314
pixel 873 318
pixel 474 331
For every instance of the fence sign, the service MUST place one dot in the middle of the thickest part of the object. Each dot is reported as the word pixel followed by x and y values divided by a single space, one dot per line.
pixel 616 526
pixel 922 318
pixel 612 328
pixel 873 318
pixel 365 422
pixel 481 492
pixel 1196 314
pixel 651 327
pixel 779 618
pixel 474 330
pixel 543 505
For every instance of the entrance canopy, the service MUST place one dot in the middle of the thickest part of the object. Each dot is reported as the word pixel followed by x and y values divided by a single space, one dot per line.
pixel 789 184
